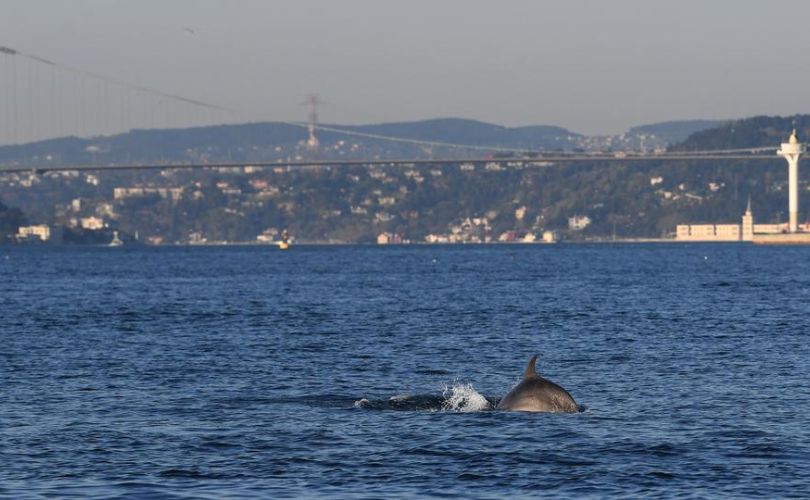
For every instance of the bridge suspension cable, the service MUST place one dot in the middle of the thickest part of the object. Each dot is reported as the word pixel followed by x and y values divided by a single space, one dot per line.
pixel 84 79
pixel 46 99
pixel 115 81
pixel 62 106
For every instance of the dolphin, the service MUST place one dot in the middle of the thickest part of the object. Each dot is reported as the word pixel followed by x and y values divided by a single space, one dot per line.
pixel 534 393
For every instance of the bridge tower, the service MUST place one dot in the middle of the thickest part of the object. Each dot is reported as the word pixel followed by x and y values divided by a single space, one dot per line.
pixel 313 100
pixel 791 151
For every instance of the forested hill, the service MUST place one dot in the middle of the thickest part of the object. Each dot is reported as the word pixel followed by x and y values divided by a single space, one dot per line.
pixel 758 131
pixel 674 131
pixel 282 141
pixel 273 141
pixel 461 131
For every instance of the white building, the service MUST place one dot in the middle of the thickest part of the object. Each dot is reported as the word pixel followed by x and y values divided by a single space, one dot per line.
pixel 389 239
pixel 745 231
pixel 748 224
pixel 709 232
pixel 41 231
pixel 92 223
pixel 578 222
pixel 121 193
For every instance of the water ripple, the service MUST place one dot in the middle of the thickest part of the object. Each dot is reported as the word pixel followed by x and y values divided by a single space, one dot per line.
pixel 365 372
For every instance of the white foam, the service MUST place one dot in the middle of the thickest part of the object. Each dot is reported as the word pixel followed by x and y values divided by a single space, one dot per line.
pixel 463 398
pixel 360 403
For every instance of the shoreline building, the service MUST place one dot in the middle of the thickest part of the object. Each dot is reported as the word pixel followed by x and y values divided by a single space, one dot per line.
pixel 746 231
pixel 39 232
pixel 790 232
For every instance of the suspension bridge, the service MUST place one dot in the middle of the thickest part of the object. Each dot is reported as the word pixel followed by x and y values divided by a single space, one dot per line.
pixel 43 99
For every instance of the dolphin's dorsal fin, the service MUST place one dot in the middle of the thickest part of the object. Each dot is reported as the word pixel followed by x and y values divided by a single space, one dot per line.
pixel 530 369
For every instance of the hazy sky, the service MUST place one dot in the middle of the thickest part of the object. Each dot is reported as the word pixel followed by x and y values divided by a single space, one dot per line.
pixel 592 66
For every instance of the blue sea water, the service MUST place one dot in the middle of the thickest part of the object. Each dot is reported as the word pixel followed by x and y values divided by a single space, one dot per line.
pixel 366 372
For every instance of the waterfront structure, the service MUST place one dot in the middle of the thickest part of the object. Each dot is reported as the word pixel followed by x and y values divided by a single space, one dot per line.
pixel 116 241
pixel 92 223
pixel 790 232
pixel 40 231
pixel 791 151
pixel 578 222
pixel 747 231
pixel 709 232
pixel 389 239
pixel 795 233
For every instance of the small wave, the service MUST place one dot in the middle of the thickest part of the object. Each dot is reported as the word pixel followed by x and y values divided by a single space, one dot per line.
pixel 362 403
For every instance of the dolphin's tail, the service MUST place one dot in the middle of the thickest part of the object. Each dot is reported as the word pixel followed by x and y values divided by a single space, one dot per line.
pixel 530 368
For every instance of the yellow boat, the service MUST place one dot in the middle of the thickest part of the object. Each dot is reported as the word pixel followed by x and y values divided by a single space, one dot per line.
pixel 284 243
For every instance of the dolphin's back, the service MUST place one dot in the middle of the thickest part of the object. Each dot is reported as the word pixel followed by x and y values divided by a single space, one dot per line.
pixel 538 394
pixel 534 393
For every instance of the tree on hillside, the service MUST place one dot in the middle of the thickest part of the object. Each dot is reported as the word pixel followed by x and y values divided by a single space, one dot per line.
pixel 10 220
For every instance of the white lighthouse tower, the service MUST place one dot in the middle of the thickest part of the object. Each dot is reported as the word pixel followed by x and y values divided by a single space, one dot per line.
pixel 791 151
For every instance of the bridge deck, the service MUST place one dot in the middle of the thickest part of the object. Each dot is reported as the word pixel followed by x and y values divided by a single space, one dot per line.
pixel 530 162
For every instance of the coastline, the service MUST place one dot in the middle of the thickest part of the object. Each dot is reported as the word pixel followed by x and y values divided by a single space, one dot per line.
pixel 783 240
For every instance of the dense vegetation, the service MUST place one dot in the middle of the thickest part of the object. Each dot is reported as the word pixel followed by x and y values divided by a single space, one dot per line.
pixel 10 220
pixel 674 131
pixel 759 131
pixel 356 204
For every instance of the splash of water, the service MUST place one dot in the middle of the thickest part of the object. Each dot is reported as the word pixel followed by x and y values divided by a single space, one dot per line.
pixel 463 398
pixel 457 397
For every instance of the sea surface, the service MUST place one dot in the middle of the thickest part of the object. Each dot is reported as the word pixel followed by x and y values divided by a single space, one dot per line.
pixel 372 372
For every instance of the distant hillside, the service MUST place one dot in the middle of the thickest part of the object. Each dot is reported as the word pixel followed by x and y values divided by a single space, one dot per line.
pixel 281 141
pixel 759 131
pixel 471 132
pixel 274 141
pixel 219 143
pixel 674 131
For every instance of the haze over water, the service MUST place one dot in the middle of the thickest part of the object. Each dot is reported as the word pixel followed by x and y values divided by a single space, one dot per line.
pixel 591 67
pixel 351 371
